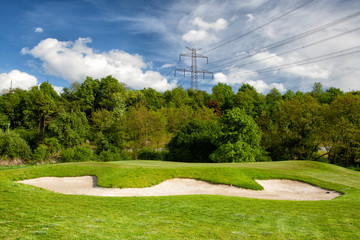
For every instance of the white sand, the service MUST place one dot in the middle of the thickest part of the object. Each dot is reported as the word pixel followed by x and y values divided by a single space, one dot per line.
pixel 273 189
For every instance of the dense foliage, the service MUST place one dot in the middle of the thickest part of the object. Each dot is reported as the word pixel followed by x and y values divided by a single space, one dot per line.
pixel 239 138
pixel 104 120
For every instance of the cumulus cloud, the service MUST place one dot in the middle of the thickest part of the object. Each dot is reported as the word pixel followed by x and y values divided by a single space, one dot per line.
pixel 199 35
pixel 19 80
pixel 263 87
pixel 312 70
pixel 74 61
pixel 236 77
pixel 38 30
pixel 220 24
pixel 166 65
pixel 58 89
pixel 206 30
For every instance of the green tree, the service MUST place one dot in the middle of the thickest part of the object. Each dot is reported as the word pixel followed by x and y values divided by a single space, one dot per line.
pixel 250 100
pixel 317 91
pixel 177 117
pixel 239 139
pixel 152 99
pixel 331 94
pixel 224 95
pixel 109 91
pixel 292 133
pixel 194 142
pixel 145 128
pixel 13 146
pixel 86 95
pixel 108 131
pixel 198 98
pixel 12 106
pixel 42 106
pixel 177 98
pixel 71 129
pixel 342 130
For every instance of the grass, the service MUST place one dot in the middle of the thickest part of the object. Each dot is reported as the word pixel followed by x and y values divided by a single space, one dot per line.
pixel 28 212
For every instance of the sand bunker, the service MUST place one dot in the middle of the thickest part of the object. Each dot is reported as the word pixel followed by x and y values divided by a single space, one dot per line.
pixel 273 189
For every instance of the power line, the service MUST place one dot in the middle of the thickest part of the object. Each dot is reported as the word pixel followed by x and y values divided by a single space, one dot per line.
pixel 292 50
pixel 304 62
pixel 261 26
pixel 293 38
pixel 253 11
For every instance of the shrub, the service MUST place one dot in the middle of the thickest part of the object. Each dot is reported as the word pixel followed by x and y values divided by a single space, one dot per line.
pixel 13 146
pixel 67 155
pixel 32 138
pixel 194 142
pixel 53 145
pixel 79 154
pixel 109 156
pixel 39 154
pixel 149 154
pixel 82 154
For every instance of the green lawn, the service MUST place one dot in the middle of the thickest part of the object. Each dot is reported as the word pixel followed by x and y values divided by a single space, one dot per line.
pixel 28 212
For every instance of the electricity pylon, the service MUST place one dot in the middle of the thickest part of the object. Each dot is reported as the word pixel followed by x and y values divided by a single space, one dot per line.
pixel 194 69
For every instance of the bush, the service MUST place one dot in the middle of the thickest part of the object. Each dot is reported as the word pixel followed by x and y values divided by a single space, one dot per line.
pixel 82 154
pixel 149 154
pixel 32 138
pixel 39 154
pixel 79 154
pixel 67 155
pixel 13 146
pixel 53 145
pixel 194 142
pixel 109 156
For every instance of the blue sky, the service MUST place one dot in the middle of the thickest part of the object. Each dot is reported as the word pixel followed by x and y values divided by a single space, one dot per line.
pixel 139 42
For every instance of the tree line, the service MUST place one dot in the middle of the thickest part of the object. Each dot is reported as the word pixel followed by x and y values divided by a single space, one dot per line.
pixel 104 120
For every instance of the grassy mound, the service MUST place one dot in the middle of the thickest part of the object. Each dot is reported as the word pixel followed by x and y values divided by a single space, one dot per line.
pixel 33 213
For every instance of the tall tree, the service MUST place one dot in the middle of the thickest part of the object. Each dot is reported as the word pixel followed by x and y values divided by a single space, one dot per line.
pixel 43 105
pixel 250 100
pixel 108 131
pixel 86 95
pixel 239 139
pixel 71 129
pixel 152 99
pixel 145 128
pixel 108 90
pixel 293 130
pixel 342 130
pixel 224 95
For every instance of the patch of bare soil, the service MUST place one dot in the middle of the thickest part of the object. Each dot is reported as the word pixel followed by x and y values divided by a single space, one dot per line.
pixel 273 189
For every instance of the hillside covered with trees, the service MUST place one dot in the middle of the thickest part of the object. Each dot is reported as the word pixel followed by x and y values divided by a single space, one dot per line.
pixel 103 120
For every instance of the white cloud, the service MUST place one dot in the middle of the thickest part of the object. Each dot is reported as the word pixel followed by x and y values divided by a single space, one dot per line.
pixel 58 89
pixel 199 36
pixel 17 79
pixel 167 65
pixel 74 61
pixel 38 30
pixel 216 26
pixel 310 70
pixel 263 87
pixel 236 77
pixel 250 17
pixel 206 32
